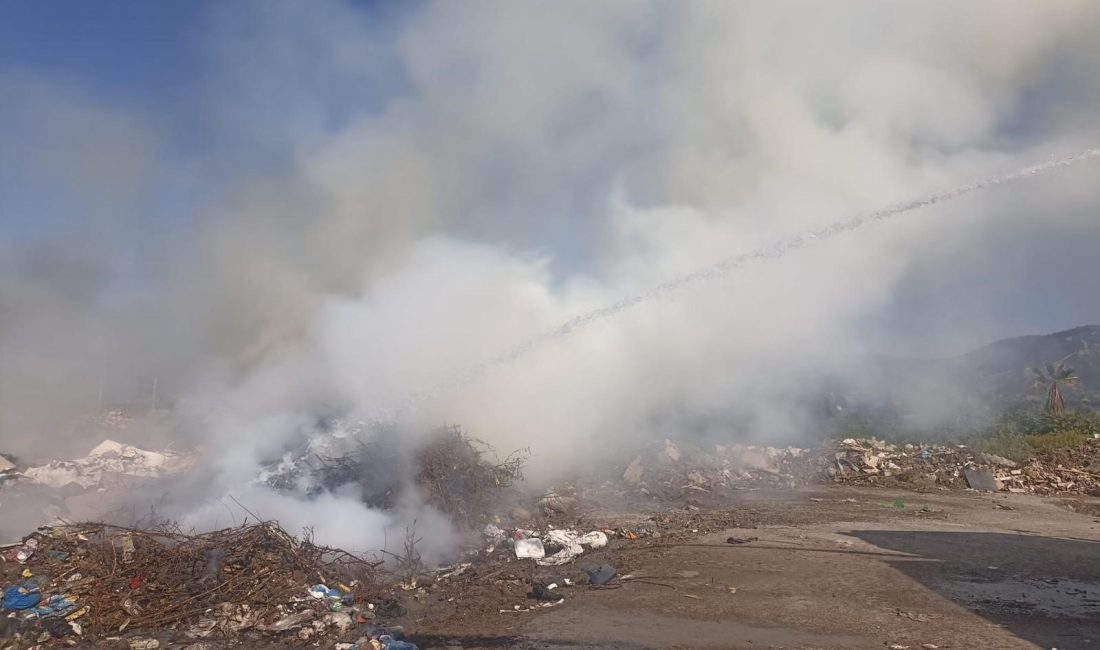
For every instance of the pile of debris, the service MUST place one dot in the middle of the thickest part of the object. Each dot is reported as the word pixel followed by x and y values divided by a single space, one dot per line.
pixel 110 475
pixel 871 462
pixel 671 470
pixel 104 464
pixel 457 474
pixel 138 587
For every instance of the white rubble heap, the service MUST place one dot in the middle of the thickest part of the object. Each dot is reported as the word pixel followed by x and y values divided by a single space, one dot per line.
pixel 108 459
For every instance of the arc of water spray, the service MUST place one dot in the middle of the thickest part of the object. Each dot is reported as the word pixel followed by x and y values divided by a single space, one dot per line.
pixel 724 266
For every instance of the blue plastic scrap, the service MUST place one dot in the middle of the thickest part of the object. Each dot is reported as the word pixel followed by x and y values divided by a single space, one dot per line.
pixel 55 605
pixel 335 598
pixel 322 591
pixel 20 597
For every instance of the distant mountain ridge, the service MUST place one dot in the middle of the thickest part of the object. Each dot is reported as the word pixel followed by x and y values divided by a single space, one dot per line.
pixel 984 381
pixel 999 367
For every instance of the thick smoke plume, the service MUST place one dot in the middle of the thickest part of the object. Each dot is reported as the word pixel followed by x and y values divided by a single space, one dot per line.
pixel 370 203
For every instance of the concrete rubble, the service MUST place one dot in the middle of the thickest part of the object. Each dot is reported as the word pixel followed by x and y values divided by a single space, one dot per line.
pixel 955 466
pixel 667 469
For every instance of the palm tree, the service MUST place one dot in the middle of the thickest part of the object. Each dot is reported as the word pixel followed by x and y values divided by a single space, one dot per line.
pixel 1055 375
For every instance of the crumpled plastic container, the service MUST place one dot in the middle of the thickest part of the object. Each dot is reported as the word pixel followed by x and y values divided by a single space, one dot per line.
pixel 530 547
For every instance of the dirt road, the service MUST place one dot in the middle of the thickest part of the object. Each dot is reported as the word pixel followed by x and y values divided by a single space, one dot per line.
pixel 831 568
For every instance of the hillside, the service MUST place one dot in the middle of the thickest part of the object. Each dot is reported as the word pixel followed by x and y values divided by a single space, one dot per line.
pixel 980 383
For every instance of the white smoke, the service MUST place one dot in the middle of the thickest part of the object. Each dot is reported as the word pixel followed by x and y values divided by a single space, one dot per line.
pixel 426 189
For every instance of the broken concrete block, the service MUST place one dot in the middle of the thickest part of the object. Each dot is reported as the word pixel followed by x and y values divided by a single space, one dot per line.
pixel 981 479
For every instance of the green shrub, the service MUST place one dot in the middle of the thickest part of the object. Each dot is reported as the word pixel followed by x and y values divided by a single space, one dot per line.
pixel 1019 435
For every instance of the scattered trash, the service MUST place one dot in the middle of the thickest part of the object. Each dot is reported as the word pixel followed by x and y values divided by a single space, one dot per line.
pixel 56 605
pixel 530 547
pixel 600 575
pixel 741 540
pixel 919 618
pixel 595 539
pixel 322 592
pixel 59 627
pixel 144 644
pixel 26 551
pixel 289 622
pixel 494 533
pixel 334 598
pixel 570 545
pixel 453 571
pixel 521 609
pixel 541 590
pixel 20 597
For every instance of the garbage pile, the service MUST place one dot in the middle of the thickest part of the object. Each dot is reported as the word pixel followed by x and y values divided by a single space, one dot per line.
pixel 253 583
pixel 105 464
pixel 871 462
pixel 458 475
pixel 521 565
pixel 557 547
pixel 671 470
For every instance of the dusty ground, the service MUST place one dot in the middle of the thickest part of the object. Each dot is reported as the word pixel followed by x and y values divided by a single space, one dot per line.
pixel 831 568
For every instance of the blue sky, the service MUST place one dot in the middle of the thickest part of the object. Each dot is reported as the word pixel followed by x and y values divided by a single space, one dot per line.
pixel 150 80
pixel 121 63
pixel 133 49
